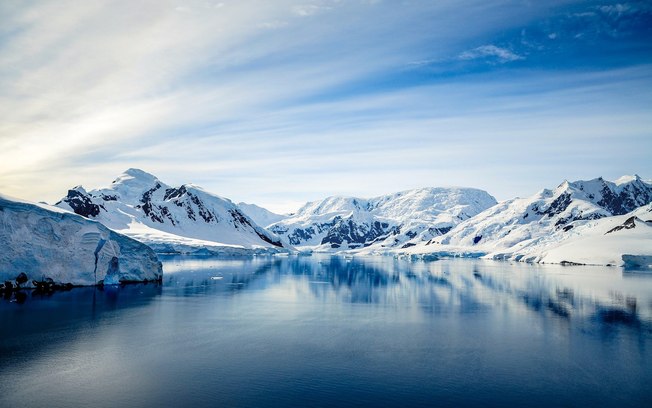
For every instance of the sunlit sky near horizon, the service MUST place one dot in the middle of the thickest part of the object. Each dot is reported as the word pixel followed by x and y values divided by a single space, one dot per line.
pixel 281 102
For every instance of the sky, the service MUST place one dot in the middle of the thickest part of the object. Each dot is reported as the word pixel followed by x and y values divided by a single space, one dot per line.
pixel 281 102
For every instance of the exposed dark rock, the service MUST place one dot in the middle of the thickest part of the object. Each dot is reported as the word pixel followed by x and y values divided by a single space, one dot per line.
pixel 632 196
pixel 148 207
pixel 351 232
pixel 206 214
pixel 240 218
pixel 558 205
pixel 628 224
pixel 268 239
pixel 172 193
pixel 81 204
pixel 21 278
pixel 439 230
pixel 569 263
pixel 299 235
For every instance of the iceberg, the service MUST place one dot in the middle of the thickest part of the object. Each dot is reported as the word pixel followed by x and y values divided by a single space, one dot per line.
pixel 50 244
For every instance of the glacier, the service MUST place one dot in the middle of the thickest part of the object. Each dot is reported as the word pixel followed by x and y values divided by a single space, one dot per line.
pixel 46 242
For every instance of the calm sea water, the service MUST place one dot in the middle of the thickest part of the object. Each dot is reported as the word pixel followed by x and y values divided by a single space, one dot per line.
pixel 329 331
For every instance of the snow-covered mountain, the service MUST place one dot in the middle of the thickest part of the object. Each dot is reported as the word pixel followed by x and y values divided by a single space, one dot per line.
pixel 520 220
pixel 260 215
pixel 618 240
pixel 171 219
pixel 396 220
pixel 528 228
pixel 47 242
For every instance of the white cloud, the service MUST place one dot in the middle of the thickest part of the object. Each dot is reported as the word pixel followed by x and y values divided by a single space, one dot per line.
pixel 490 51
pixel 617 9
pixel 306 10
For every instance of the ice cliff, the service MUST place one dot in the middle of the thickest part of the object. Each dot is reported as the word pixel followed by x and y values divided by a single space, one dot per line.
pixel 47 242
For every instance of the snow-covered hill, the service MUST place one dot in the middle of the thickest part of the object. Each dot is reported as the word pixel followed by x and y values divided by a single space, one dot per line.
pixel 46 242
pixel 398 220
pixel 260 215
pixel 171 219
pixel 557 225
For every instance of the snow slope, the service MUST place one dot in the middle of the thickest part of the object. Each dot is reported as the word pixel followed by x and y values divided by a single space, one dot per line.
pixel 623 240
pixel 46 242
pixel 260 215
pixel 566 224
pixel 171 219
pixel 395 220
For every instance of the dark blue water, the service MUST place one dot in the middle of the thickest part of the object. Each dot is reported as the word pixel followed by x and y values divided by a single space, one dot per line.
pixel 313 331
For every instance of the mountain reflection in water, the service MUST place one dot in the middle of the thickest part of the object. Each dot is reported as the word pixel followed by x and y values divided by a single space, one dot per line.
pixel 587 295
pixel 335 331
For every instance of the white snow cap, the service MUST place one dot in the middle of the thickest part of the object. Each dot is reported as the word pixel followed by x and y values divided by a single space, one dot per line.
pixel 627 179
pixel 135 176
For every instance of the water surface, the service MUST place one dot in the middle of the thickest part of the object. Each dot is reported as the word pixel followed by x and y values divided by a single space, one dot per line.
pixel 330 331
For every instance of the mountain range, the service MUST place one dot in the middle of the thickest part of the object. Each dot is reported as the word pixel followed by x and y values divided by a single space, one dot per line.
pixel 587 221
pixel 442 221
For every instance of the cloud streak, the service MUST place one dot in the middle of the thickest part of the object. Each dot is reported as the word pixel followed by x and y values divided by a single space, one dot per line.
pixel 490 51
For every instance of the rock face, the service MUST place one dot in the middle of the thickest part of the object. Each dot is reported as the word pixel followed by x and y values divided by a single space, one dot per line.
pixel 396 220
pixel 168 218
pixel 46 242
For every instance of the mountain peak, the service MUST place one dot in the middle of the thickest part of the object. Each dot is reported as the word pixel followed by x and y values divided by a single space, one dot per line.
pixel 136 178
pixel 138 174
pixel 565 185
pixel 627 179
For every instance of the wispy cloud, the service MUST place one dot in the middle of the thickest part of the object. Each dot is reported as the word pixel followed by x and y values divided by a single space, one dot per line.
pixel 305 10
pixel 491 52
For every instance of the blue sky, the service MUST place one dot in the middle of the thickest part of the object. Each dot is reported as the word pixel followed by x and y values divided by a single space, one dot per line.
pixel 282 102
